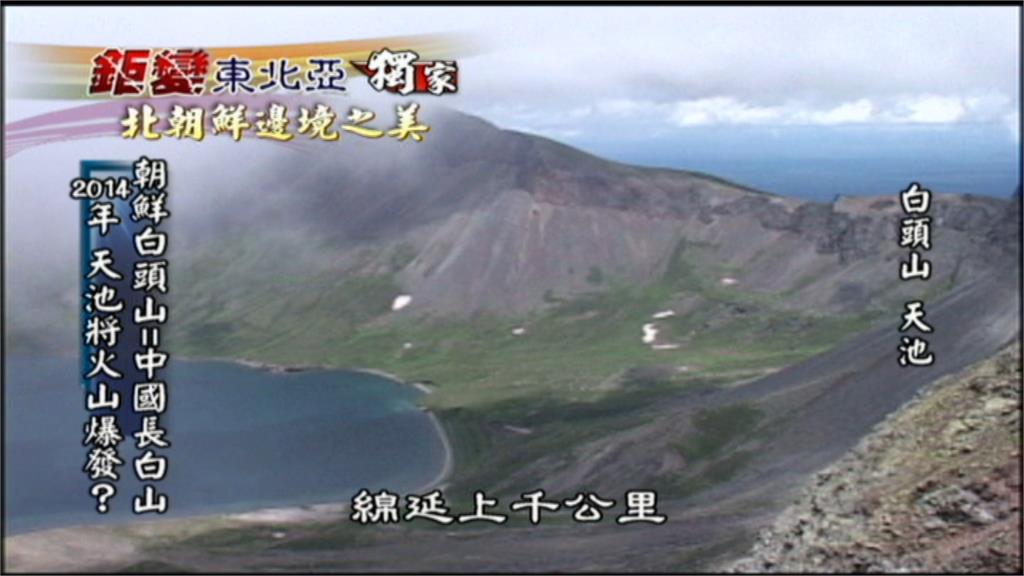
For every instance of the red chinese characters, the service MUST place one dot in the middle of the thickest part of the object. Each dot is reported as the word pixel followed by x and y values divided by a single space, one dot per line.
pixel 120 72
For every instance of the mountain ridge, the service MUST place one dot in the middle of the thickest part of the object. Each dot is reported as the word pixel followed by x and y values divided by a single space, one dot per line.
pixel 501 221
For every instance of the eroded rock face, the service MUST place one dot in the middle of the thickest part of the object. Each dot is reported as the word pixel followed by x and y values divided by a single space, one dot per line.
pixel 516 217
pixel 935 488
pixel 494 221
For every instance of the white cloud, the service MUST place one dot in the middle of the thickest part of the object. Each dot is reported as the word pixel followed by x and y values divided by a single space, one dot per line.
pixel 723 110
pixel 581 111
pixel 933 110
pixel 623 107
pixel 729 111
pixel 648 115
pixel 857 112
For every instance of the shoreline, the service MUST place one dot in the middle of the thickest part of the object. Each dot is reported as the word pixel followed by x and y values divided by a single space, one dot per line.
pixel 325 511
pixel 441 480
pixel 421 386
pixel 299 513
pixel 300 368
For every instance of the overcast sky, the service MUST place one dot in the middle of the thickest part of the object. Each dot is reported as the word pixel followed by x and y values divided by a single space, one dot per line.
pixel 571 71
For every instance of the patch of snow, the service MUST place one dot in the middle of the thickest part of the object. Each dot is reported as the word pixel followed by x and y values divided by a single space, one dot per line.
pixel 518 429
pixel 650 333
pixel 401 301
pixel 664 314
pixel 729 281
pixel 519 331
pixel 407 346
pixel 664 346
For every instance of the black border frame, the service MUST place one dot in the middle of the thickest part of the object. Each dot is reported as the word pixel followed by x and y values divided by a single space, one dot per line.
pixel 135 4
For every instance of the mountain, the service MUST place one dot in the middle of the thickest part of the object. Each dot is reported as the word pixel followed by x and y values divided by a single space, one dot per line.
pixel 479 219
pixel 535 271
pixel 584 325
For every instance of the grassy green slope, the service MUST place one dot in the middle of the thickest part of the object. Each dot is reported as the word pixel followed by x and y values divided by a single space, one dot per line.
pixel 579 371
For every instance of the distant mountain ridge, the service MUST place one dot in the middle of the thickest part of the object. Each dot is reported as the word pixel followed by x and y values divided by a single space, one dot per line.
pixel 483 219
pixel 479 220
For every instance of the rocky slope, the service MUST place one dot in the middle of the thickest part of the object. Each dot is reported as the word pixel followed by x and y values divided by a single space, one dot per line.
pixel 935 488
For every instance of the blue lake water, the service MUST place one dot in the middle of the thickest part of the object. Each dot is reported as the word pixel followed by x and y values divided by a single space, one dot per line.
pixel 241 439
